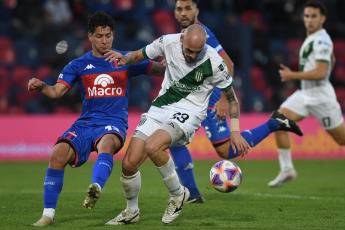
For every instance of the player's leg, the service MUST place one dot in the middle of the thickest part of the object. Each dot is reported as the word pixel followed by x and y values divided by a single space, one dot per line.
pixel 331 118
pixel 61 155
pixel 155 147
pixel 131 181
pixel 107 146
pixel 338 134
pixel 287 170
pixel 276 122
pixel 184 167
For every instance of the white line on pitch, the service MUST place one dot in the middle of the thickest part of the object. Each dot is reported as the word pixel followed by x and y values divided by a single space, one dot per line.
pixel 290 196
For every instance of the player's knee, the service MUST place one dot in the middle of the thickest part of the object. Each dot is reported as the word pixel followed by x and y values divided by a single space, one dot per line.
pixel 150 148
pixel 129 169
pixel 57 161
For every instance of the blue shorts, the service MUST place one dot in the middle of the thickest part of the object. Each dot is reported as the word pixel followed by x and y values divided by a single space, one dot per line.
pixel 217 131
pixel 83 137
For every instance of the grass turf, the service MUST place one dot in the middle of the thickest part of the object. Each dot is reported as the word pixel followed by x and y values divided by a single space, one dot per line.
pixel 314 201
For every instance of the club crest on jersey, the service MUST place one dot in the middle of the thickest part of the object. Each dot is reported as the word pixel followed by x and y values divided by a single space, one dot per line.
pixel 104 85
pixel 71 135
pixel 198 76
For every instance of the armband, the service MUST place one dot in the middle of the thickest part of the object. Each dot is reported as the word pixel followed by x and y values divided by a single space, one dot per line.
pixel 234 124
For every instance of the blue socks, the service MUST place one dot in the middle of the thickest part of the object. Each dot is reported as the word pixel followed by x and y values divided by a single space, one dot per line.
pixel 102 169
pixel 184 167
pixel 256 135
pixel 52 187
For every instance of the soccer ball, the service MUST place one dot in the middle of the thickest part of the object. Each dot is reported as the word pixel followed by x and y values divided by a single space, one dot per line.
pixel 225 176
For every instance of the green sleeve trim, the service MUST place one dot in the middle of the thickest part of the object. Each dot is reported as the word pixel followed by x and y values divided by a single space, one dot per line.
pixel 321 60
pixel 144 53
pixel 227 88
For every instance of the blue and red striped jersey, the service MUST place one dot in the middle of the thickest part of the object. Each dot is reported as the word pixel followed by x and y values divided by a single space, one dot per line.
pixel 104 86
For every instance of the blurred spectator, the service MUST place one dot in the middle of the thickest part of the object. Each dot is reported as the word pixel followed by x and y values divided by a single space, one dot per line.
pixel 260 33
pixel 60 12
pixel 27 18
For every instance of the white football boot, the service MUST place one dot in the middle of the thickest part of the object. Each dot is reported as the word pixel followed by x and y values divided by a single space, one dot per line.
pixel 44 221
pixel 92 195
pixel 175 204
pixel 283 176
pixel 125 217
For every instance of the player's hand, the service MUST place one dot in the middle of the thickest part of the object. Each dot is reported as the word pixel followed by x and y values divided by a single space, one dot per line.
pixel 221 107
pixel 113 55
pixel 285 73
pixel 35 84
pixel 237 141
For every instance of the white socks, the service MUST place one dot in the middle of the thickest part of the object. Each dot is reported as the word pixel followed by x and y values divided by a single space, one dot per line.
pixel 170 178
pixel 285 159
pixel 131 186
pixel 50 212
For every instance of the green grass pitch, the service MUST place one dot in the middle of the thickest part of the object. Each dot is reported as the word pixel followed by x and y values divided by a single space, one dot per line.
pixel 316 200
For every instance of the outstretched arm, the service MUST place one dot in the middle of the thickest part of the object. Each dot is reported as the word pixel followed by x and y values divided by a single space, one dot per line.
pixel 51 92
pixel 318 73
pixel 234 112
pixel 222 106
pixel 128 59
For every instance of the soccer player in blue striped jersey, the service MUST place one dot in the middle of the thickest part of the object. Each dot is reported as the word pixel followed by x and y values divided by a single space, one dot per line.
pixel 102 125
pixel 215 125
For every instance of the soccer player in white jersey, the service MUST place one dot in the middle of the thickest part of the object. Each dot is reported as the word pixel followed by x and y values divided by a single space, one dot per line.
pixel 193 70
pixel 316 96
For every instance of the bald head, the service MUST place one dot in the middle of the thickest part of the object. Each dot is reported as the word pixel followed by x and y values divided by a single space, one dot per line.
pixel 195 34
pixel 193 41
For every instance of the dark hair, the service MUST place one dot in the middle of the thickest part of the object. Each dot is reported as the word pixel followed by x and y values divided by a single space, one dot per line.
pixel 194 1
pixel 100 18
pixel 316 4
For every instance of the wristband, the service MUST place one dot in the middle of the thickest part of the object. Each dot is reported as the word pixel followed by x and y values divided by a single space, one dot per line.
pixel 234 124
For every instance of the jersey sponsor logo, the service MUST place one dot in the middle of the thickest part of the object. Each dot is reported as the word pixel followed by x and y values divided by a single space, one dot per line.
pixel 61 76
pixel 111 84
pixel 104 80
pixel 90 66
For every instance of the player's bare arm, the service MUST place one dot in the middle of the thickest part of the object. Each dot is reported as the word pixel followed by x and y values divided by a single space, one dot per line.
pixel 51 92
pixel 318 73
pixel 128 59
pixel 157 69
pixel 234 112
pixel 222 106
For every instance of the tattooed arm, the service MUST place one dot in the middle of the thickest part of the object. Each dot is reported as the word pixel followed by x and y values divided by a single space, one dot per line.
pixel 237 141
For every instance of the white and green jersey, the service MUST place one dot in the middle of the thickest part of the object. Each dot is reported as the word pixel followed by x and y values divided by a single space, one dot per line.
pixel 187 86
pixel 317 47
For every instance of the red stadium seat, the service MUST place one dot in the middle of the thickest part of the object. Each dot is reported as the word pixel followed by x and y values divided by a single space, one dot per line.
pixel 340 92
pixel 4 82
pixel 43 72
pixel 254 19
pixel 339 73
pixel 5 42
pixel 293 46
pixel 259 83
pixel 339 50
pixel 165 22
pixel 21 75
pixel 7 56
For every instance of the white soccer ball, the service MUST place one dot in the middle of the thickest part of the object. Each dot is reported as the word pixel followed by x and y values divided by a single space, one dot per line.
pixel 225 176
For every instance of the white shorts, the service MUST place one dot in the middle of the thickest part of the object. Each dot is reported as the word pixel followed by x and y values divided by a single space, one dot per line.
pixel 328 113
pixel 179 123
